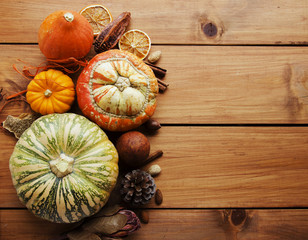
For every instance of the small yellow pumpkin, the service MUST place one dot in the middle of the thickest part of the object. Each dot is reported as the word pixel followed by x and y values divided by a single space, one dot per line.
pixel 51 91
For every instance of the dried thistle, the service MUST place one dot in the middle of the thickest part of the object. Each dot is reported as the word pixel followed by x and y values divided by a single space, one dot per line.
pixel 18 125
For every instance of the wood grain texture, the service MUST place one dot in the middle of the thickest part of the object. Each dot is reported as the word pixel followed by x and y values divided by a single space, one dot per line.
pixel 234 85
pixel 178 224
pixel 225 224
pixel 217 167
pixel 176 22
pixel 206 170
pixel 207 84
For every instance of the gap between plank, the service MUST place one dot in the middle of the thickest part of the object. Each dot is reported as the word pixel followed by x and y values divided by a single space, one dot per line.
pixel 165 209
pixel 234 125
pixel 187 44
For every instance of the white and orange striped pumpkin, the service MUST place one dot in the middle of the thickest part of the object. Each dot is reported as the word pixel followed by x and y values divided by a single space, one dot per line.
pixel 117 90
pixel 64 168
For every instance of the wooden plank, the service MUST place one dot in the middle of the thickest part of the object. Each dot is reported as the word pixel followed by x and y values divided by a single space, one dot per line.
pixel 217 167
pixel 179 224
pixel 208 84
pixel 21 224
pixel 176 22
pixel 234 85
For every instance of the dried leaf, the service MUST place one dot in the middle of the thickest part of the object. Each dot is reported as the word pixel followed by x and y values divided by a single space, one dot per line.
pixel 18 125
pixel 106 225
pixel 120 224
pixel 108 211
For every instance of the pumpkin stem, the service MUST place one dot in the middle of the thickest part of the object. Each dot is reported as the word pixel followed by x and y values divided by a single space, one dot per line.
pixel 62 166
pixel 47 93
pixel 122 83
pixel 68 16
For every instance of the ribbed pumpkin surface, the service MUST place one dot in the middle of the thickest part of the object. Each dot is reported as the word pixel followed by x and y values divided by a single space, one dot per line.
pixel 117 90
pixel 64 167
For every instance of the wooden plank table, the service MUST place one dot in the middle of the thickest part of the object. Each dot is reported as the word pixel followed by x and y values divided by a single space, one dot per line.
pixel 234 118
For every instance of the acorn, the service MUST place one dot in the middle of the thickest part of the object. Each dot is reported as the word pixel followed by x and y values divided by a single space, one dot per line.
pixel 133 148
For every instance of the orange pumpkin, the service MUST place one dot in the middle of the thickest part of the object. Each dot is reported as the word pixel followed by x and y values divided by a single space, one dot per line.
pixel 65 34
pixel 117 90
pixel 51 92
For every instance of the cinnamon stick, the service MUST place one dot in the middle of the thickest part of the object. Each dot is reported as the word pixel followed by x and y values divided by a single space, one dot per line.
pixel 162 88
pixel 153 156
pixel 161 85
pixel 158 71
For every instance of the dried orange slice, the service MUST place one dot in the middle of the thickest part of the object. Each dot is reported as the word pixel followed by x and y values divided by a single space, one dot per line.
pixel 136 42
pixel 98 16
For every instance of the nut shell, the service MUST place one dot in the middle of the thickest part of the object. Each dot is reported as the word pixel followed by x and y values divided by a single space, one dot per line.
pixel 152 124
pixel 154 170
pixel 158 197
pixel 133 148
pixel 154 57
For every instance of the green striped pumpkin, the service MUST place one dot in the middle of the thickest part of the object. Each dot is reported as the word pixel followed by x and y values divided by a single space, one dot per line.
pixel 64 167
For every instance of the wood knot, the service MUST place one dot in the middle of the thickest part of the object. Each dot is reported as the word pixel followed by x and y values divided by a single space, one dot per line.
pixel 212 27
pixel 235 220
pixel 238 216
pixel 296 78
pixel 209 29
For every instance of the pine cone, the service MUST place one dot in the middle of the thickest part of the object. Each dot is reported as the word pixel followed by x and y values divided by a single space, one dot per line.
pixel 138 187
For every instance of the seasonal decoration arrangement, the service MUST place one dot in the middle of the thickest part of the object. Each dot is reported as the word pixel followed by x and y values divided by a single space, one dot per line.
pixel 64 167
